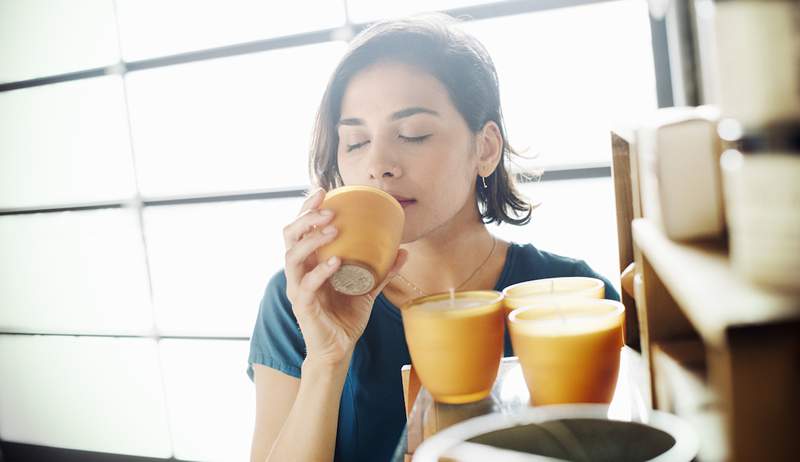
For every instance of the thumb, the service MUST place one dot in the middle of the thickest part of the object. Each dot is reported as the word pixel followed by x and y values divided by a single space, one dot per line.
pixel 399 261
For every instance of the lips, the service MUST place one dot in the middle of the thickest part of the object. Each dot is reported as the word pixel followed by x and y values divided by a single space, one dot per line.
pixel 404 201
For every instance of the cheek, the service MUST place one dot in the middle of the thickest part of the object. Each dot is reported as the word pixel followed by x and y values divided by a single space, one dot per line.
pixel 460 167
pixel 450 181
pixel 347 170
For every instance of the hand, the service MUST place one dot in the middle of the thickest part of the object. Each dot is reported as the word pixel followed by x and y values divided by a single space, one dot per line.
pixel 626 279
pixel 331 322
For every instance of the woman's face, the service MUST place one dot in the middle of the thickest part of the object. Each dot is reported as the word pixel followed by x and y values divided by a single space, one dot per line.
pixel 400 132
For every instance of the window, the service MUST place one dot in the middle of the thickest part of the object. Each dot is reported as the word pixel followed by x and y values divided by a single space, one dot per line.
pixel 46 37
pixel 109 395
pixel 210 263
pixel 65 143
pixel 152 28
pixel 225 125
pixel 74 272
pixel 578 74
pixel 142 204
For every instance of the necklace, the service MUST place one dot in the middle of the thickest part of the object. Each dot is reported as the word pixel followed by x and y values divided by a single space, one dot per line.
pixel 478 268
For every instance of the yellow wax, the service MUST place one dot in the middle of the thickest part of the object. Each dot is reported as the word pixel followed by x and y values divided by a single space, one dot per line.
pixel 447 304
pixel 569 354
pixel 552 289
pixel 456 345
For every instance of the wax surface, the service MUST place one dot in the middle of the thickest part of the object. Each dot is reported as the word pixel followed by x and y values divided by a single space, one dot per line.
pixel 550 290
pixel 570 323
pixel 447 304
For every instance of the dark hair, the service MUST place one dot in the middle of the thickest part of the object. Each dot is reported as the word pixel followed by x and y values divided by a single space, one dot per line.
pixel 463 66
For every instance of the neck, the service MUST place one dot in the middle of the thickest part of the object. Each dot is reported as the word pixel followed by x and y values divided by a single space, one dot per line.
pixel 445 258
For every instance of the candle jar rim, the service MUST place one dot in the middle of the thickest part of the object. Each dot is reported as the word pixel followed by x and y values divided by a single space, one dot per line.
pixel 508 291
pixel 492 298
pixel 549 310
pixel 363 188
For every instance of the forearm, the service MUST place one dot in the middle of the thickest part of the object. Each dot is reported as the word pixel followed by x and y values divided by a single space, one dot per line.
pixel 309 433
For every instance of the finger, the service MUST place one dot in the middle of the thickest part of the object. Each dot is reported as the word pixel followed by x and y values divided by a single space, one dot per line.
pixel 314 279
pixel 399 261
pixel 313 200
pixel 303 224
pixel 297 255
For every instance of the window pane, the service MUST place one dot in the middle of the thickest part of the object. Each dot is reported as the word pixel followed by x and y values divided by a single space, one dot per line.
pixel 46 37
pixel 576 218
pixel 74 272
pixel 151 28
pixel 64 143
pixel 93 394
pixel 229 124
pixel 210 399
pixel 583 70
pixel 370 10
pixel 210 263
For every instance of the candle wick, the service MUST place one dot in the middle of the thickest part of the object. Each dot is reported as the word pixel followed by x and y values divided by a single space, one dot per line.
pixel 560 313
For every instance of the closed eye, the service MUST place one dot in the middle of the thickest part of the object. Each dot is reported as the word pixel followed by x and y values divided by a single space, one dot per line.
pixel 414 139
pixel 351 147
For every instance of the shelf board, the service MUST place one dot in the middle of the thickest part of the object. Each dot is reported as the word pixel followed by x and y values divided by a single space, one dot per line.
pixel 700 279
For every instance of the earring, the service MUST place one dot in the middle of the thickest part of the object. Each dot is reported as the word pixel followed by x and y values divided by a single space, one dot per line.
pixel 483 179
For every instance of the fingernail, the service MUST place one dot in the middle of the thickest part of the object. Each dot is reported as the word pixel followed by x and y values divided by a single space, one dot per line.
pixel 328 230
pixel 313 192
pixel 332 261
pixel 326 212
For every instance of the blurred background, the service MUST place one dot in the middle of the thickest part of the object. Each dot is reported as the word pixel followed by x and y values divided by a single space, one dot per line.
pixel 151 152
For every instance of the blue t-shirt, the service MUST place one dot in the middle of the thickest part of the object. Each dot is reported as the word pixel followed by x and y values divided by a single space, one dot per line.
pixel 371 412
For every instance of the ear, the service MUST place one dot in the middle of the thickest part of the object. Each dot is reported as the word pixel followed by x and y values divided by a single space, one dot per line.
pixel 489 148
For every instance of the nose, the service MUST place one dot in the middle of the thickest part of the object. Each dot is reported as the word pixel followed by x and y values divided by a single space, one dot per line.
pixel 386 172
pixel 383 166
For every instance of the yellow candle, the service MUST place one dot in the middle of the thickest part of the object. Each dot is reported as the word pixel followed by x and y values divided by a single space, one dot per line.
pixel 456 342
pixel 539 290
pixel 370 224
pixel 570 350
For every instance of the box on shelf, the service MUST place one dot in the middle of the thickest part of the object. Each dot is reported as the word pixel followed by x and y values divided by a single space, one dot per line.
pixel 679 176
pixel 762 197
pixel 758 60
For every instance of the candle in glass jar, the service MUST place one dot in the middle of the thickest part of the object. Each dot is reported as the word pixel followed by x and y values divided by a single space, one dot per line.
pixel 456 342
pixel 539 290
pixel 569 351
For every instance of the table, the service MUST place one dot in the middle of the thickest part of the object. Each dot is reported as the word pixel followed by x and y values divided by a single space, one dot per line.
pixel 509 395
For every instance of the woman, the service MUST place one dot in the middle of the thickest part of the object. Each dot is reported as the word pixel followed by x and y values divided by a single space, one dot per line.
pixel 414 109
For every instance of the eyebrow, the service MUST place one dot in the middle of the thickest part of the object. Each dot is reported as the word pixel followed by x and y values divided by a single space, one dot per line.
pixel 403 113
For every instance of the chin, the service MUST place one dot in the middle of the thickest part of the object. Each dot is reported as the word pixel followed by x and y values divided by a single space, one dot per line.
pixel 410 234
pixel 407 237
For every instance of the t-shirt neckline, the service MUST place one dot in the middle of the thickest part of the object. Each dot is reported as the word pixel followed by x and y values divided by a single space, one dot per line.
pixel 499 285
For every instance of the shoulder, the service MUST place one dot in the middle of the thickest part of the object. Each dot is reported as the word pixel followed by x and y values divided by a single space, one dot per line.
pixel 276 340
pixel 276 287
pixel 528 263
pixel 274 301
pixel 532 261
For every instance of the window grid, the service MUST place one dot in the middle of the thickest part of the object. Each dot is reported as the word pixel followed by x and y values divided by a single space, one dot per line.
pixel 138 203
pixel 349 29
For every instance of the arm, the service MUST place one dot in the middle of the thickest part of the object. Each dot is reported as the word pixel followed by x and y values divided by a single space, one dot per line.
pixel 306 407
pixel 275 395
pixel 297 418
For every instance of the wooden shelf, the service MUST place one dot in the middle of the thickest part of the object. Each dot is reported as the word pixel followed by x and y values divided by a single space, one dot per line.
pixel 711 295
pixel 721 352
pixel 683 389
